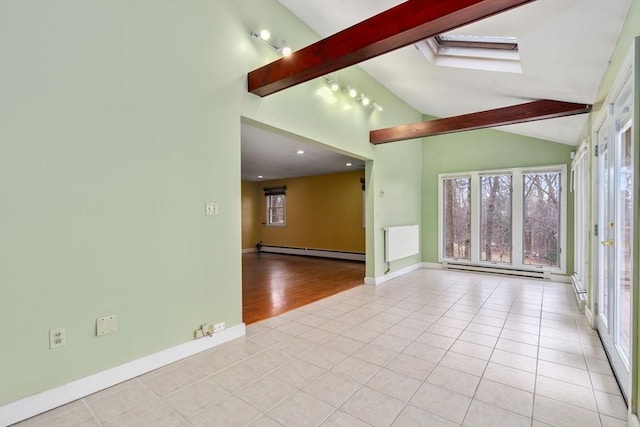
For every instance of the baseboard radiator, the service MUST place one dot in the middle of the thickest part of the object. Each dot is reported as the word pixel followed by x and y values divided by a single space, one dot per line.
pixel 581 295
pixel 495 269
pixel 322 253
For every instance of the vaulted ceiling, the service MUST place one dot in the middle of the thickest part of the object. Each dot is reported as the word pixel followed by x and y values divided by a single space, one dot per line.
pixel 564 47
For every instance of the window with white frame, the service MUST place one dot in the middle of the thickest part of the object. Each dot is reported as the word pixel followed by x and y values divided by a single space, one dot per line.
pixel 276 205
pixel 582 228
pixel 515 218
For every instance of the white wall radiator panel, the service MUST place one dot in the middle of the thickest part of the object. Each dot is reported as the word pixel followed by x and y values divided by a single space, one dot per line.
pixel 497 269
pixel 401 242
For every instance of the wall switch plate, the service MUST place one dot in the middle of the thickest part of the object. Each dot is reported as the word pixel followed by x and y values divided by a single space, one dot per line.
pixel 211 209
pixel 57 338
pixel 106 325
pixel 218 327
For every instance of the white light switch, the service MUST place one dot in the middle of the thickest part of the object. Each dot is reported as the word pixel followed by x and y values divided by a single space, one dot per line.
pixel 211 209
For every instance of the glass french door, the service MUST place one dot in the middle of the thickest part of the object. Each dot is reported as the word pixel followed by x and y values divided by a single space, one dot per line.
pixel 615 234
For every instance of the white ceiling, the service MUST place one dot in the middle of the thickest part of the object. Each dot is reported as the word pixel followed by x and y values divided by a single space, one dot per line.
pixel 564 45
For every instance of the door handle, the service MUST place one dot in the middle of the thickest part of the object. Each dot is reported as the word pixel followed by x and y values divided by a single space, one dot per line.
pixel 607 243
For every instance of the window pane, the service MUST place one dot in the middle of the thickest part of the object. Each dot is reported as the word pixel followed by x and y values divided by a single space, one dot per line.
pixel 496 218
pixel 275 209
pixel 541 219
pixel 457 218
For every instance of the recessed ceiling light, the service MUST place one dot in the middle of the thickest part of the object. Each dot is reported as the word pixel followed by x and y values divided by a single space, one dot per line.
pixel 348 164
pixel 260 176
pixel 300 152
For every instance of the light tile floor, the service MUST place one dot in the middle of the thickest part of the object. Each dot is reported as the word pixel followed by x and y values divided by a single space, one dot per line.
pixel 431 348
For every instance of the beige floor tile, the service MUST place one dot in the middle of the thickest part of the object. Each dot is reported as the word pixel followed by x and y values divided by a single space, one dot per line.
pixel 470 349
pixel 435 340
pixel 493 331
pixel 297 373
pixel 411 416
pixel 237 376
pixel 344 345
pixel 108 405
pixel 194 398
pixel 332 388
pixel 391 342
pixel 289 413
pixel 356 369
pixel 157 414
pixel 569 359
pixel 394 384
pixel 510 376
pixel 322 357
pixel 490 321
pixel 566 392
pixel 463 363
pixel 342 419
pixel 424 351
pixel 559 414
pixel 373 407
pixel 564 373
pixel 453 380
pixel 265 393
pixel 605 383
pixel 265 421
pixel 482 414
pixel 611 404
pixel 376 355
pixel 169 381
pixel 410 366
pixel 230 412
pixel 513 360
pixel 517 347
pixel 608 421
pixel 439 401
pixel 519 336
pixel 477 338
pixel 521 327
pixel 72 414
pixel 505 397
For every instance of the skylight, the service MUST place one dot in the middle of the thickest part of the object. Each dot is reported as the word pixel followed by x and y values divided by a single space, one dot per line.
pixel 490 53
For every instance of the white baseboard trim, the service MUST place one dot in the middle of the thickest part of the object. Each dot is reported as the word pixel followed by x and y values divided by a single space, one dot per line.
pixel 38 403
pixel 391 275
pixel 249 250
pixel 560 278
pixel 589 315
pixel 433 265
pixel 324 253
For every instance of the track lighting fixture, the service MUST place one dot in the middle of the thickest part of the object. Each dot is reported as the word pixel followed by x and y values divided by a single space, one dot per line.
pixel 265 37
pixel 332 80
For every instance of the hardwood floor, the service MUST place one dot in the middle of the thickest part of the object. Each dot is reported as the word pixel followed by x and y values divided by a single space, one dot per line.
pixel 273 283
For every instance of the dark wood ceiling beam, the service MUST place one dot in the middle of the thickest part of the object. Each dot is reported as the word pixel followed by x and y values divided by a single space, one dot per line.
pixel 531 111
pixel 402 25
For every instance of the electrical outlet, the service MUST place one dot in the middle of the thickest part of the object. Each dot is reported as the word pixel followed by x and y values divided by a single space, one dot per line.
pixel 218 327
pixel 57 338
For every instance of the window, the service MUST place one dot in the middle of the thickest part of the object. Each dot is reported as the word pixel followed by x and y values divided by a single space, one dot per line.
pixel 457 227
pixel 495 217
pixel 276 206
pixel 472 52
pixel 541 219
pixel 515 218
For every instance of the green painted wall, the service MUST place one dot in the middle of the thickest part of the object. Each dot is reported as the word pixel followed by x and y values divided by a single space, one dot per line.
pixel 480 150
pixel 119 121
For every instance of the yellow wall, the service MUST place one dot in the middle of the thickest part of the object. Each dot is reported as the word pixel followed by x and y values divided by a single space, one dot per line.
pixel 251 217
pixel 322 212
